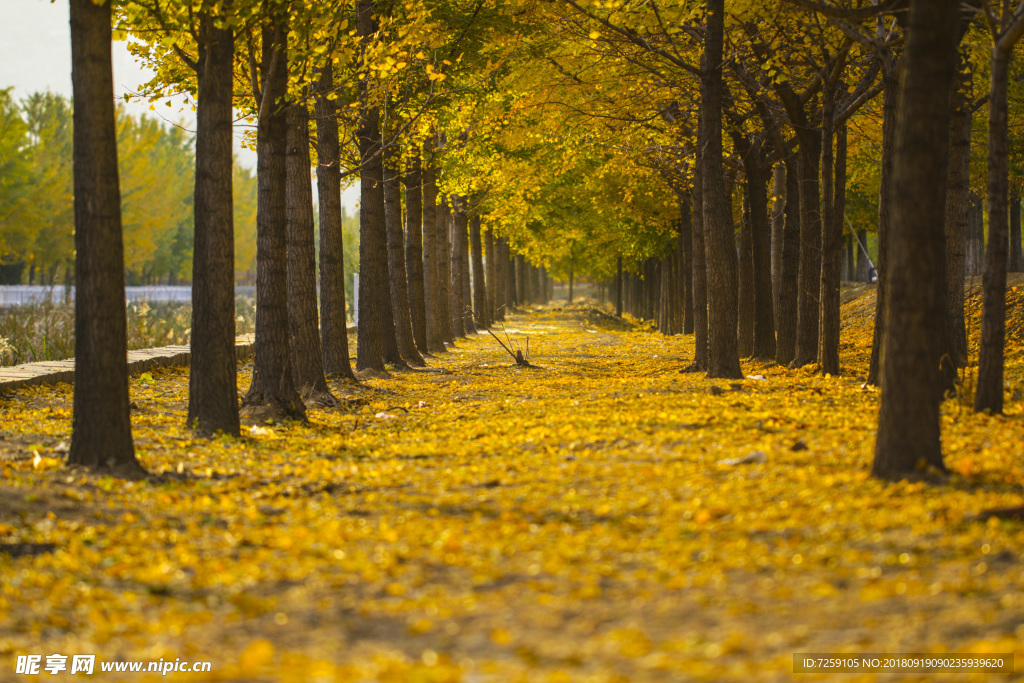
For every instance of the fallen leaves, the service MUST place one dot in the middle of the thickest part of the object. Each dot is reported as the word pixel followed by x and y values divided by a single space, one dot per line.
pixel 607 518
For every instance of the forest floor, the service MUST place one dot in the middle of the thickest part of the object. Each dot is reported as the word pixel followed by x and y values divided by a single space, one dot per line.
pixel 602 518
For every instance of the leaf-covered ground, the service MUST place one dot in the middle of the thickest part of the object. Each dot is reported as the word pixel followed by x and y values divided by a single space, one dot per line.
pixel 586 521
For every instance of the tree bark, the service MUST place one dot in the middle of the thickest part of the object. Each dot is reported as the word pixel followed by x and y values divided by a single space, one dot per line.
pixel 459 227
pixel 572 263
pixel 510 278
pixel 506 279
pixel 686 260
pixel 520 271
pixel 618 287
pixel 778 228
pixel 101 436
pixel 989 395
pixel 490 246
pixel 1014 264
pixel 787 312
pixel 975 256
pixel 213 379
pixel 303 318
pixel 468 315
pixel 431 279
pixel 745 323
pixel 908 422
pixel 699 273
pixel 444 267
pixel 479 281
pixel 808 287
pixel 333 316
pixel 414 249
pixel 720 250
pixel 890 110
pixel 398 284
pixel 763 342
pixel 957 221
pixel 272 392
pixel 860 243
pixel 831 238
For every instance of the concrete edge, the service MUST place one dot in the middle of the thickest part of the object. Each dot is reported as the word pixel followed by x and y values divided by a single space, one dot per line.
pixel 139 361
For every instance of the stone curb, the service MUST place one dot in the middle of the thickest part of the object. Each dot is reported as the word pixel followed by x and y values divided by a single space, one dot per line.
pixel 54 371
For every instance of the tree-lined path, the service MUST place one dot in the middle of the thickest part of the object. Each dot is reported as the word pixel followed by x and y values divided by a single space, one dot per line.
pixel 604 517
pixel 702 467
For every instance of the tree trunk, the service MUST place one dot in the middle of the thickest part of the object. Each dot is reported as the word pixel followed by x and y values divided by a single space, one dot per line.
pixel 272 392
pixel 457 303
pixel 493 286
pixel 975 256
pixel 376 331
pixel 831 238
pixel 444 267
pixel 860 243
pixel 778 228
pixel 850 257
pixel 761 259
pixel 101 435
pixel 957 221
pixel 1014 262
pixel 699 273
pixel 465 263
pixel 618 287
pixel 686 260
pixel 333 316
pixel 520 271
pixel 719 248
pixel 432 292
pixel 213 378
pixel 809 279
pixel 511 286
pixel 890 110
pixel 508 279
pixel 787 312
pixel 479 281
pixel 667 324
pixel 908 422
pixel 989 395
pixel 303 319
pixel 414 249
pixel 398 284
pixel 572 263
pixel 745 324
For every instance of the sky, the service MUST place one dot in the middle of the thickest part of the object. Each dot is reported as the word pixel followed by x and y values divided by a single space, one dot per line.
pixel 35 55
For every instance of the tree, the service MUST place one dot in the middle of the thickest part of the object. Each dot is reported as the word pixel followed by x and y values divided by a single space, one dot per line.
pixel 397 273
pixel 272 392
pixel 479 279
pixel 908 422
pixel 101 437
pixel 432 290
pixel 213 383
pixel 377 342
pixel 414 235
pixel 720 255
pixel 333 318
pixel 303 319
pixel 1006 30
